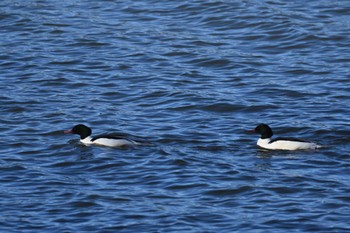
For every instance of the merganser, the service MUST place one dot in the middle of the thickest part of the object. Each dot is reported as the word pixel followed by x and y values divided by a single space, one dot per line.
pixel 266 142
pixel 102 140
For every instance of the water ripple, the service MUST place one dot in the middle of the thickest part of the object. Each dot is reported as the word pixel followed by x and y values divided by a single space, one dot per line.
pixel 189 78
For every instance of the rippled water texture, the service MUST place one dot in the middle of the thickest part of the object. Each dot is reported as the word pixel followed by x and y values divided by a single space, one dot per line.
pixel 190 78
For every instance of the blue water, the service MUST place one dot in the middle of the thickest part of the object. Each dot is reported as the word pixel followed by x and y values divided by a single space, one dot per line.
pixel 190 78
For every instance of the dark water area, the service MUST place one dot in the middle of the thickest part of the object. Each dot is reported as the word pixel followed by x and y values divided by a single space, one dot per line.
pixel 190 78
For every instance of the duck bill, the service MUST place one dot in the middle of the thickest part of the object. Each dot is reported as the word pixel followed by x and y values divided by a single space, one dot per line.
pixel 251 131
pixel 68 131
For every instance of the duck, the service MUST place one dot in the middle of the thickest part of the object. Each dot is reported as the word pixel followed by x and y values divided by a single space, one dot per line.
pixel 266 142
pixel 109 140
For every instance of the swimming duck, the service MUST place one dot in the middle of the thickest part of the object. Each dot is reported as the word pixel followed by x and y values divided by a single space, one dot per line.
pixel 102 140
pixel 266 142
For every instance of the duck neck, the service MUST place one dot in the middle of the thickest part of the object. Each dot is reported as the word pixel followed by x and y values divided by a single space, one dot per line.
pixel 266 135
pixel 263 141
pixel 86 140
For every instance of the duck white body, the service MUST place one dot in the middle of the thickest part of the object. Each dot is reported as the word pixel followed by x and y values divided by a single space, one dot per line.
pixel 111 142
pixel 266 142
pixel 103 140
pixel 283 144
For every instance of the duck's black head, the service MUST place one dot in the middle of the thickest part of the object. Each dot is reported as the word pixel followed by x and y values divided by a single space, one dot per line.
pixel 264 130
pixel 80 129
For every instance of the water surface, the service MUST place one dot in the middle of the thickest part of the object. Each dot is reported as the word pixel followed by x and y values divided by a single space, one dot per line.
pixel 190 77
